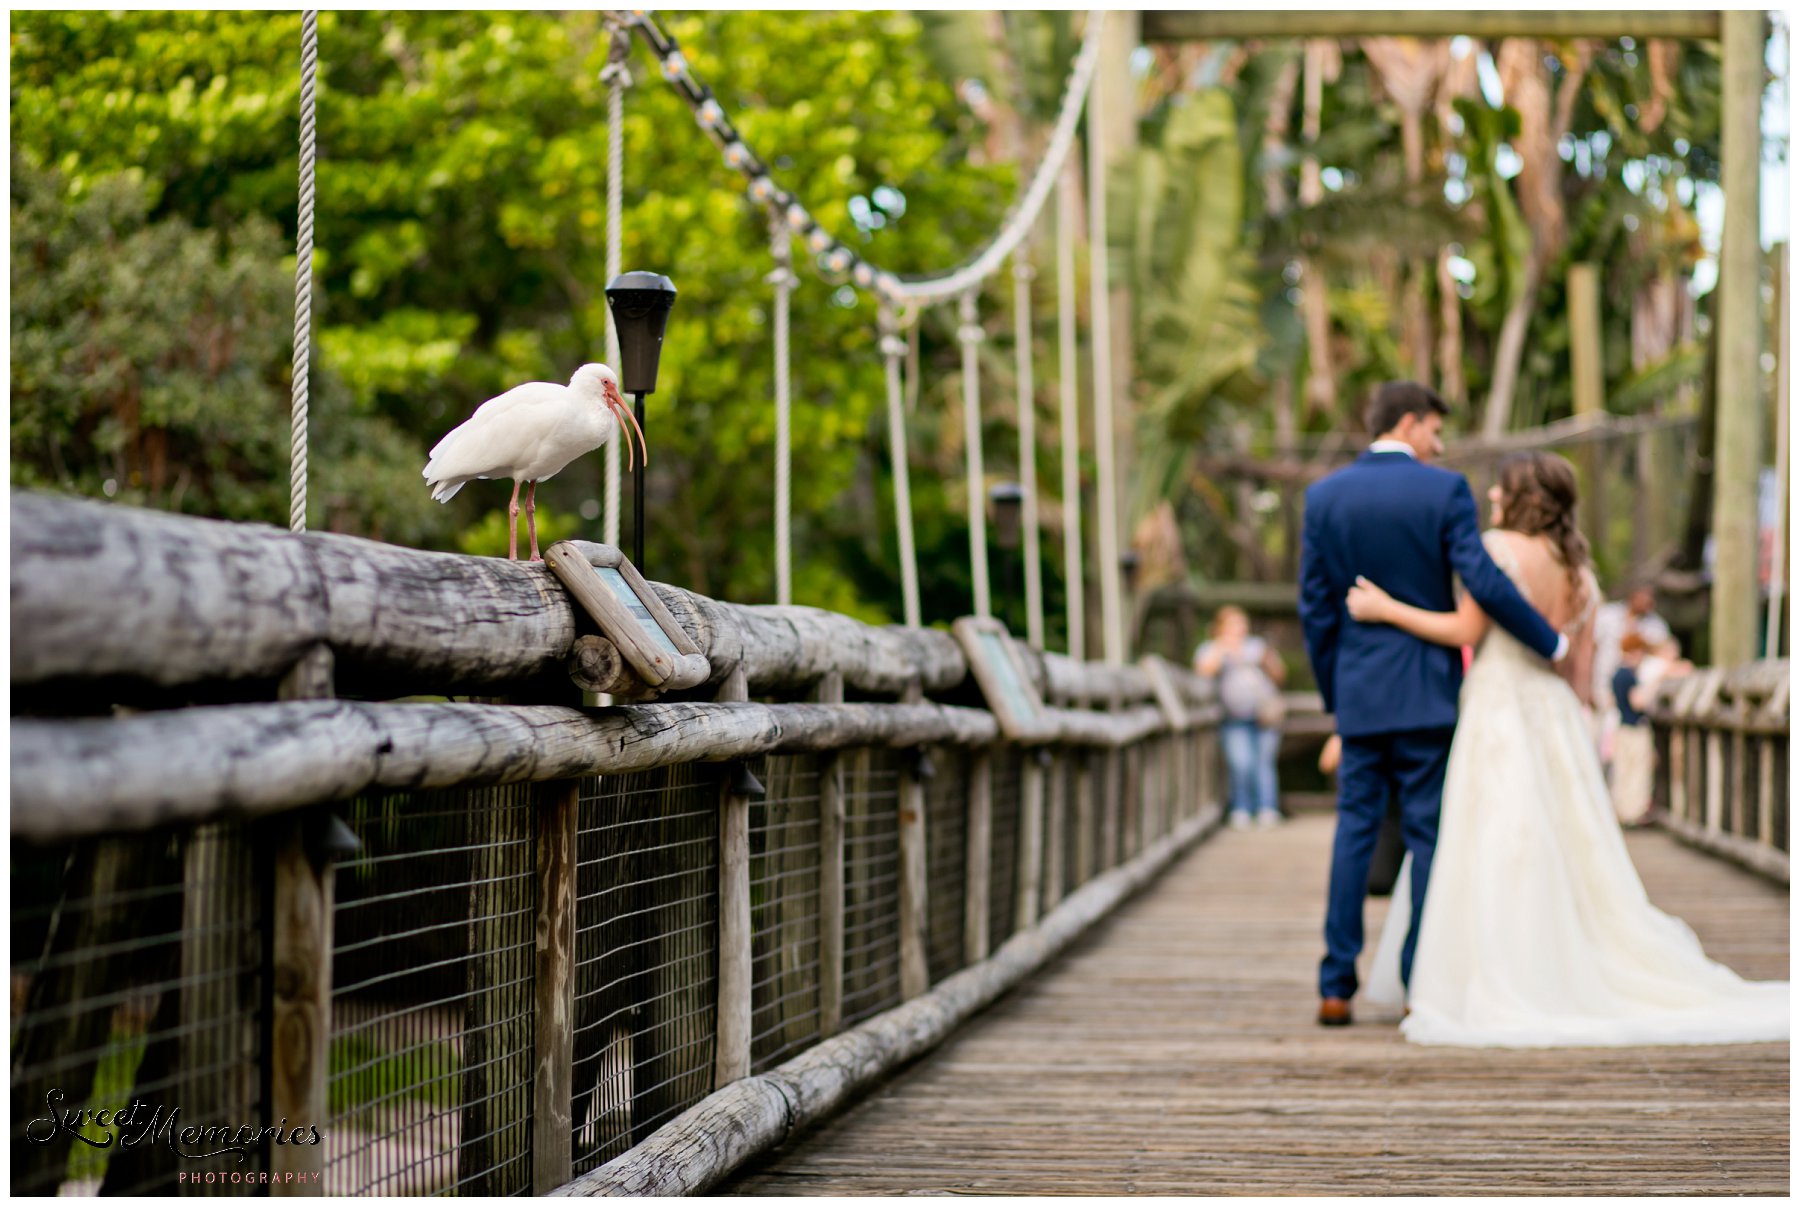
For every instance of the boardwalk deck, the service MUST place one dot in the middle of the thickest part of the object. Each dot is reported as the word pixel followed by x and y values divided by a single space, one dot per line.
pixel 1173 1052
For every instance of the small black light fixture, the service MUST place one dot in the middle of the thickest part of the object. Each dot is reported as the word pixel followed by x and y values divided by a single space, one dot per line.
pixel 1128 564
pixel 1008 499
pixel 640 303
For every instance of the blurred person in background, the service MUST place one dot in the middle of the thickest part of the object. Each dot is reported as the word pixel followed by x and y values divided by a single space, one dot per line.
pixel 1615 621
pixel 1249 675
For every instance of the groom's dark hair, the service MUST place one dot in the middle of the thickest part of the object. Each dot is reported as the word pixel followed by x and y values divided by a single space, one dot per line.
pixel 1394 400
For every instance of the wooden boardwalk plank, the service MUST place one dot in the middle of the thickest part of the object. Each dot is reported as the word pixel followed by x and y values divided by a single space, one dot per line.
pixel 1173 1051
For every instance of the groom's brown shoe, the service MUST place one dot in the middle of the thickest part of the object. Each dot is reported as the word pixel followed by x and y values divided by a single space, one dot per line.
pixel 1334 1012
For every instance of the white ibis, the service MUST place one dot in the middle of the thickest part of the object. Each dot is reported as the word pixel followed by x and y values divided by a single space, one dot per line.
pixel 528 434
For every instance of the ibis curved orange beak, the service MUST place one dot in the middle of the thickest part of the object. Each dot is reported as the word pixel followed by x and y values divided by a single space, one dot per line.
pixel 617 403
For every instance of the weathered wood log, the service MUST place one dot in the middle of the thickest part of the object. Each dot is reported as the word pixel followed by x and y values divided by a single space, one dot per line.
pixel 595 665
pixel 553 1026
pixel 1758 857
pixel 699 1148
pixel 219 602
pixel 94 776
pixel 731 1056
pixel 831 874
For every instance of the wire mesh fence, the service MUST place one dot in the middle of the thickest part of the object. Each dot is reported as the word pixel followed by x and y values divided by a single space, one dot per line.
pixel 785 904
pixel 646 935
pixel 429 1085
pixel 137 978
pixel 946 841
pixel 871 884
pixel 141 965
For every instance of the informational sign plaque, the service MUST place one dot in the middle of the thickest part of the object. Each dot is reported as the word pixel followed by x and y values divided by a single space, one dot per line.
pixel 1003 677
pixel 609 589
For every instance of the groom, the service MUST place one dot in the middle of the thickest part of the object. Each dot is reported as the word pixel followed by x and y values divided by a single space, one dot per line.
pixel 1406 526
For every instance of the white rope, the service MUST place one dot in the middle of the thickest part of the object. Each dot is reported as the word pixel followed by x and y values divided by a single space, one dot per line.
pixel 618 78
pixel 297 466
pixel 839 259
pixel 1034 572
pixel 1074 583
pixel 893 349
pixel 1100 331
pixel 784 280
pixel 971 335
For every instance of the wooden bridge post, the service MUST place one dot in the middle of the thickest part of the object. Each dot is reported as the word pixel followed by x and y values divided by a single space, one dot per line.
pixel 1084 817
pixel 980 853
pixel 1055 831
pixel 915 969
pixel 831 874
pixel 299 1052
pixel 732 1061
pixel 1029 880
pixel 552 1134
pixel 1765 794
pixel 1110 803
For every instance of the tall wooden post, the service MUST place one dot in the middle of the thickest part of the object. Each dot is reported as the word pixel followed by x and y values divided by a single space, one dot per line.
pixel 552 1135
pixel 733 1051
pixel 1029 880
pixel 831 874
pixel 915 918
pixel 1588 368
pixel 300 1015
pixel 1778 558
pixel 980 856
pixel 1119 143
pixel 1737 319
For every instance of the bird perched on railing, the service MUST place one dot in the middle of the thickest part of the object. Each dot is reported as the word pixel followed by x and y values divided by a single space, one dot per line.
pixel 528 434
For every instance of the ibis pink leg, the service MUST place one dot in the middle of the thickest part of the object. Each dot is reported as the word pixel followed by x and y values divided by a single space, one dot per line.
pixel 512 526
pixel 531 518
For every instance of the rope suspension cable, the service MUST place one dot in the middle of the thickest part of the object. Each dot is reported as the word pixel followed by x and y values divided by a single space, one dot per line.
pixel 969 332
pixel 303 251
pixel 1075 588
pixel 1034 572
pixel 617 77
pixel 784 280
pixel 893 350
pixel 1100 331
pixel 838 262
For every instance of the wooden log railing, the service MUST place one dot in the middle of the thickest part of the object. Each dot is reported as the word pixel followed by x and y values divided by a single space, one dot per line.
pixel 1722 762
pixel 576 950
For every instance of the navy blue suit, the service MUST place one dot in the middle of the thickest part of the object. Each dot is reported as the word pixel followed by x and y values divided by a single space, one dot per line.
pixel 1405 527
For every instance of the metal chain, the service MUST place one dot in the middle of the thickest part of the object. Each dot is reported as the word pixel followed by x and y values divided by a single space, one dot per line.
pixel 784 281
pixel 971 335
pixel 893 351
pixel 838 259
pixel 303 251
pixel 618 78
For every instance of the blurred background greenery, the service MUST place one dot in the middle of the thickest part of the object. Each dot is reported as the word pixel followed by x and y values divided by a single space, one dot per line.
pixel 1287 246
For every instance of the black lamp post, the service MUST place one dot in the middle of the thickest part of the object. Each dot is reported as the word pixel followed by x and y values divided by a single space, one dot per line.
pixel 640 304
pixel 1008 499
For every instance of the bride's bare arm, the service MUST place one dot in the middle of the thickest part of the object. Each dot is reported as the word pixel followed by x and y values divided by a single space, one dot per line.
pixel 1467 625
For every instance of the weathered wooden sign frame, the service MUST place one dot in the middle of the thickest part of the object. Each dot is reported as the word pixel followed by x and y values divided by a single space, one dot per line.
pixel 1001 673
pixel 610 589
pixel 1168 699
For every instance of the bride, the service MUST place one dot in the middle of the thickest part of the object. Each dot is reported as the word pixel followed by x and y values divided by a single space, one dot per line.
pixel 1536 931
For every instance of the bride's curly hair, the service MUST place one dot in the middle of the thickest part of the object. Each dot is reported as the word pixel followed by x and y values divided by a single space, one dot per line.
pixel 1538 495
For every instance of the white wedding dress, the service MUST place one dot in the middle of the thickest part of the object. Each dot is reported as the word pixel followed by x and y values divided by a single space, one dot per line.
pixel 1536 930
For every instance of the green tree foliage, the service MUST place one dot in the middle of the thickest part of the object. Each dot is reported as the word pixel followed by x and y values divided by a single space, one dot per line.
pixel 461 232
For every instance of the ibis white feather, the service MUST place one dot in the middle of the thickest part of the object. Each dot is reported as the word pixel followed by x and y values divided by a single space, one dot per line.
pixel 531 433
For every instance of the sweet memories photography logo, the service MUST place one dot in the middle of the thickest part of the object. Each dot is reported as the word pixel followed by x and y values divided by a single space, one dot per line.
pixel 143 1123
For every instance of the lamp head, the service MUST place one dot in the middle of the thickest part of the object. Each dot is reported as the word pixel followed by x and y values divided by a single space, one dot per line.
pixel 1008 499
pixel 640 304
